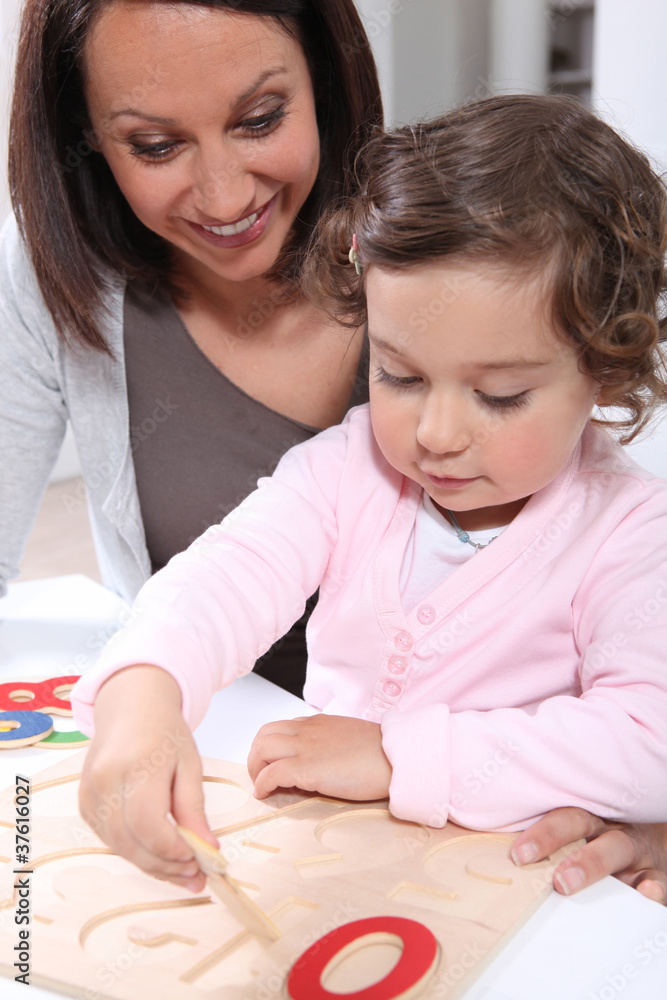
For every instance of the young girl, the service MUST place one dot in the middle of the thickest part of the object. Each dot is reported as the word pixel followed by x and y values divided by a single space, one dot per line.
pixel 490 633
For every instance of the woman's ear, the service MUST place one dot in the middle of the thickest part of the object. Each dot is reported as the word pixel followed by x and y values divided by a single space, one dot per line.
pixel 93 137
pixel 605 396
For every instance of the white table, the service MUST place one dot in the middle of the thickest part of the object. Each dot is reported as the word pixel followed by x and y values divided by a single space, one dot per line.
pixel 604 943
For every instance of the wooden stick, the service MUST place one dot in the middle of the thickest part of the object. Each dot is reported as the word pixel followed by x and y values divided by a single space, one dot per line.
pixel 241 906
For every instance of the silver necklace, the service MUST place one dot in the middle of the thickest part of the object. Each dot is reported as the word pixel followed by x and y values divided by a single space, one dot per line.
pixel 463 534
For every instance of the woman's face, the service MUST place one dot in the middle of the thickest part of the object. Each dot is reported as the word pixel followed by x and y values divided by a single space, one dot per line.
pixel 207 121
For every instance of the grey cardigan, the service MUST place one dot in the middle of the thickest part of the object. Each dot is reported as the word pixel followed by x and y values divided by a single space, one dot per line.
pixel 42 385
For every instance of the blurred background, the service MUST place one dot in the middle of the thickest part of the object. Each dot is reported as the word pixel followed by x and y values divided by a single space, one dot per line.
pixel 432 54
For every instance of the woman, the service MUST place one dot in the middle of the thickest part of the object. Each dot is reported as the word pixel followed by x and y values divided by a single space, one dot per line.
pixel 167 164
pixel 184 151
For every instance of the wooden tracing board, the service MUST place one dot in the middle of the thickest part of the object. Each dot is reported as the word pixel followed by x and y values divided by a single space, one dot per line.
pixel 100 928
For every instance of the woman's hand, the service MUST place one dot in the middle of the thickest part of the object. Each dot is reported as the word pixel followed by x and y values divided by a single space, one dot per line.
pixel 330 754
pixel 633 852
pixel 142 765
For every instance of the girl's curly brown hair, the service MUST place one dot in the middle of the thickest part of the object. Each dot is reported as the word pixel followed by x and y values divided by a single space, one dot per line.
pixel 538 184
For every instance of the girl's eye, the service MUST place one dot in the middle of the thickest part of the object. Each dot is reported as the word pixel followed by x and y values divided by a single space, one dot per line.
pixel 399 381
pixel 153 150
pixel 263 124
pixel 504 402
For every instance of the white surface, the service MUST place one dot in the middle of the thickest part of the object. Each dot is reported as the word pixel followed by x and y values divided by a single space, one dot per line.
pixel 651 449
pixel 606 942
pixel 68 464
pixel 629 68
pixel 58 627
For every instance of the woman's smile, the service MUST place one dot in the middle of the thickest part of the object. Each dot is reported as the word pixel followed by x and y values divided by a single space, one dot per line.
pixel 236 234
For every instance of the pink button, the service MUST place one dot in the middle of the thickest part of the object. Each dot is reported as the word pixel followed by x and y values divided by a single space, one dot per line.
pixel 426 614
pixel 397 665
pixel 391 689
pixel 403 640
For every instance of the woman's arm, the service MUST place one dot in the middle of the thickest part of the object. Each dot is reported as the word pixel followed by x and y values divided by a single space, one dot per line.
pixel 33 415
pixel 634 853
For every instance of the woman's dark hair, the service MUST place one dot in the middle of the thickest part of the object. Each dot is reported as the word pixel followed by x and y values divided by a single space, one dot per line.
pixel 535 184
pixel 69 209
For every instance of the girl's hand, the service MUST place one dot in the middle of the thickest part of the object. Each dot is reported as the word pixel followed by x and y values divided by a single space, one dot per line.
pixel 635 853
pixel 330 754
pixel 141 765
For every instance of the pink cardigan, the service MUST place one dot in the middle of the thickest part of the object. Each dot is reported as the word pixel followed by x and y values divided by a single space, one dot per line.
pixel 533 677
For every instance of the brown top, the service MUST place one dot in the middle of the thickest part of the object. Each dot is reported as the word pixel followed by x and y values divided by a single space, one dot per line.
pixel 199 442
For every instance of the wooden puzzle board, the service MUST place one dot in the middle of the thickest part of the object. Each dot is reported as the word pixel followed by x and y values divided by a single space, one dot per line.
pixel 100 928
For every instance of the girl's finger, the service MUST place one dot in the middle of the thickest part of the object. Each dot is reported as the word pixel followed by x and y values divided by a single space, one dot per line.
pixel 280 774
pixel 187 797
pixel 267 749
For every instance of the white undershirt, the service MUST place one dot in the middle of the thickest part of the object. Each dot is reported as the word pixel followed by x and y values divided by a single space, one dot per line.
pixel 433 552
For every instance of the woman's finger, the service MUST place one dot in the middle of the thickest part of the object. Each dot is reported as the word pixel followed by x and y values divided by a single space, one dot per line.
pixel 652 884
pixel 613 851
pixel 557 829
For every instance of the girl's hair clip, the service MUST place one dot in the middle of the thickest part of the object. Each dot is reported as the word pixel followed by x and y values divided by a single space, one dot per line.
pixel 353 255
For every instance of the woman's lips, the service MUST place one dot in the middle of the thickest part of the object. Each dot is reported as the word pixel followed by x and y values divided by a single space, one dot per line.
pixel 248 235
pixel 449 482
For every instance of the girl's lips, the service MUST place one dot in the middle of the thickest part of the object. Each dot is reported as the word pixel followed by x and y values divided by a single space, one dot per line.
pixel 238 239
pixel 449 482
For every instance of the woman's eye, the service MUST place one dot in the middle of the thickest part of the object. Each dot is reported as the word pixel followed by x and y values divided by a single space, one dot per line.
pixel 153 150
pixel 504 402
pixel 262 124
pixel 400 381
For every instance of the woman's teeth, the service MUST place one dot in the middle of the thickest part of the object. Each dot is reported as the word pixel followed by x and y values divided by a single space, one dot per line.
pixel 235 228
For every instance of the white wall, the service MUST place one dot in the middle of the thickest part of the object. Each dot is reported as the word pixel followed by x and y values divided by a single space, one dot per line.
pixel 629 62
pixel 430 53
pixel 9 17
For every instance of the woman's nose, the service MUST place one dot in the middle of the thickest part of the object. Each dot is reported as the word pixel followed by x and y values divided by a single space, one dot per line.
pixel 224 189
pixel 444 426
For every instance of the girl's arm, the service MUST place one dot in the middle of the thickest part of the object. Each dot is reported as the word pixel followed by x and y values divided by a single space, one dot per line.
pixel 217 607
pixel 143 766
pixel 197 624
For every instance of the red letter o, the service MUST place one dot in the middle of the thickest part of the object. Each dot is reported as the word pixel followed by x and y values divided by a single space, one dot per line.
pixel 417 961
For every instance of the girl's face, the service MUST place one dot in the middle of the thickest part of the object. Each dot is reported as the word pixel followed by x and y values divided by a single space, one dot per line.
pixel 473 394
pixel 207 121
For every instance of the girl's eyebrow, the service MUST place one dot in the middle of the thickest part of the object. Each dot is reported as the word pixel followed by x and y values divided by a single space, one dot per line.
pixel 383 345
pixel 481 365
pixel 513 363
pixel 172 123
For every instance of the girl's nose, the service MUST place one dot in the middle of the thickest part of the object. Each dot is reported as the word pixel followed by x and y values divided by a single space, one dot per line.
pixel 444 427
pixel 224 189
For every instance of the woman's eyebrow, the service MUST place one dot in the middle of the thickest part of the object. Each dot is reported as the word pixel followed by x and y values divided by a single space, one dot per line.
pixel 172 123
pixel 253 88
